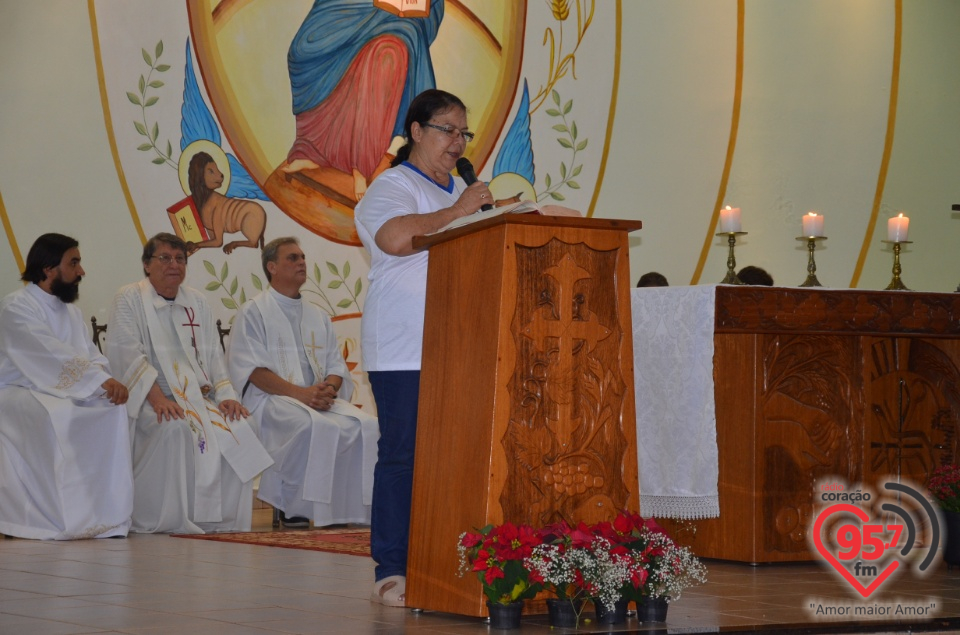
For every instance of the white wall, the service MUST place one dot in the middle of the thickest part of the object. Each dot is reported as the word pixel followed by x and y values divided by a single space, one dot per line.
pixel 811 134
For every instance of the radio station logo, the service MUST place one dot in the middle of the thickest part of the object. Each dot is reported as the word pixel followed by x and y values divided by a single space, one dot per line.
pixel 868 541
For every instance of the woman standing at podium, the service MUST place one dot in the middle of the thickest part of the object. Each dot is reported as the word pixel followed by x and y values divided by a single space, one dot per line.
pixel 416 196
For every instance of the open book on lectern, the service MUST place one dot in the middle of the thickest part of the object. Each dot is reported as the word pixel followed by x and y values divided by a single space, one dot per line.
pixel 523 207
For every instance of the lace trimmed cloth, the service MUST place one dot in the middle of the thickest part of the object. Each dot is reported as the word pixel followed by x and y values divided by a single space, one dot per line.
pixel 676 414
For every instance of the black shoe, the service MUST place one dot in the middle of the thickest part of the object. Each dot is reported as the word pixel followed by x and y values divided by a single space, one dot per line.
pixel 294 522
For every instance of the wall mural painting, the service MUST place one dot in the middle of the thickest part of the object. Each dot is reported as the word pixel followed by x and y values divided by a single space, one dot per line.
pixel 352 67
pixel 287 114
pixel 349 72
pixel 206 215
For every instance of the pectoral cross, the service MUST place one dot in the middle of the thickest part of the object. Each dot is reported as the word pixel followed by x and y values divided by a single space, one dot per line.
pixel 314 347
pixel 191 314
pixel 569 329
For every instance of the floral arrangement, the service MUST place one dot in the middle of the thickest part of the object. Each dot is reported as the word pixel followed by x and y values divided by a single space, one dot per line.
pixel 629 557
pixel 577 564
pixel 497 554
pixel 944 484
pixel 672 568
pixel 662 568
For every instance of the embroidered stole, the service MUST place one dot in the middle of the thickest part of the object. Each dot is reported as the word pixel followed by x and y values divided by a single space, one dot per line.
pixel 215 435
pixel 282 351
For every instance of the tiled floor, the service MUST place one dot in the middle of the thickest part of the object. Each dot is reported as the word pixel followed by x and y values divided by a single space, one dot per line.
pixel 157 584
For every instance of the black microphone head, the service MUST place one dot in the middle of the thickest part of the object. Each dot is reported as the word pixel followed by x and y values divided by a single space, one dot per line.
pixel 465 168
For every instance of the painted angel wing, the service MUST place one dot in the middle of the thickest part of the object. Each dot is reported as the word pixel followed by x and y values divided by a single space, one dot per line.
pixel 516 152
pixel 196 122
pixel 242 184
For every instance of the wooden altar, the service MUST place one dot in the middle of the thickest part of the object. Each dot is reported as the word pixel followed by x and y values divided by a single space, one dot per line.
pixel 813 384
pixel 526 390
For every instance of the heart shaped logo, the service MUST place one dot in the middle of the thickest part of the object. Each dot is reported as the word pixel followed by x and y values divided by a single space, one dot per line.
pixel 844 571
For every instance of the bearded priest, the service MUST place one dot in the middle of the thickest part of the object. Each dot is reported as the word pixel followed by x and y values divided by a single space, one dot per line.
pixel 65 470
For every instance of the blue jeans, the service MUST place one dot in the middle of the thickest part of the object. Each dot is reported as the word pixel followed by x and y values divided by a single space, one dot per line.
pixel 397 394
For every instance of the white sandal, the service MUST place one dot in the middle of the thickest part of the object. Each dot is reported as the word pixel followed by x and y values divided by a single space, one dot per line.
pixel 391 591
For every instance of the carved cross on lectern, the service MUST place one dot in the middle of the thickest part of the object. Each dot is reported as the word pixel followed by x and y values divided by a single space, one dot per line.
pixel 569 329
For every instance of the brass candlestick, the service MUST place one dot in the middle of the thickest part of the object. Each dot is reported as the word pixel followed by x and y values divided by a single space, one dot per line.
pixel 731 277
pixel 896 284
pixel 811 280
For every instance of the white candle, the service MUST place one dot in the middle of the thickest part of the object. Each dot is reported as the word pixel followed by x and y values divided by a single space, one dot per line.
pixel 730 219
pixel 813 224
pixel 897 228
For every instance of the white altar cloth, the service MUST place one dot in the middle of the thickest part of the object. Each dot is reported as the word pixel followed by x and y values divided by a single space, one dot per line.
pixel 676 413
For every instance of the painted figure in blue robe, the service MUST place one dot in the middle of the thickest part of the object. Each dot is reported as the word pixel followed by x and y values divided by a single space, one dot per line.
pixel 354 69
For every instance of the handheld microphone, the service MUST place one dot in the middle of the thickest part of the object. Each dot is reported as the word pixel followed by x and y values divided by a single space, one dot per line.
pixel 465 168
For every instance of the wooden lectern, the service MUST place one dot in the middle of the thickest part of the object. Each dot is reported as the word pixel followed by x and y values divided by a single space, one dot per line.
pixel 526 389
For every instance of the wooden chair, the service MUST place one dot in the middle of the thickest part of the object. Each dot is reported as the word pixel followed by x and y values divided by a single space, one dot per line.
pixel 222 332
pixel 98 331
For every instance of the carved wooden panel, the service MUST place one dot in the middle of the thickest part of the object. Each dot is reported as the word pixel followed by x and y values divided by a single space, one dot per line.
pixel 809 384
pixel 810 405
pixel 913 395
pixel 564 444
pixel 776 309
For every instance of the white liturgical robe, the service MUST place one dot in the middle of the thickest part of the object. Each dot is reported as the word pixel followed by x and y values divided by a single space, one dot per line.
pixel 323 460
pixel 65 468
pixel 194 474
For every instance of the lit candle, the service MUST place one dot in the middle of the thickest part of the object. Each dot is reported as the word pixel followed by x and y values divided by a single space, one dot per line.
pixel 897 228
pixel 813 224
pixel 730 219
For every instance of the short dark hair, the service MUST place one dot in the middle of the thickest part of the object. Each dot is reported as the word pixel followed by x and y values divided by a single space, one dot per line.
pixel 163 237
pixel 47 251
pixel 653 279
pixel 755 276
pixel 272 248
pixel 423 107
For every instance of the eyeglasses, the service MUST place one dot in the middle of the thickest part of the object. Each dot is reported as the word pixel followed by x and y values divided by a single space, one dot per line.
pixel 450 131
pixel 166 259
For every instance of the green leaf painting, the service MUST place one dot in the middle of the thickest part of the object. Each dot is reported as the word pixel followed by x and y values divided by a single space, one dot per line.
pixel 143 99
pixel 315 290
pixel 569 140
pixel 338 281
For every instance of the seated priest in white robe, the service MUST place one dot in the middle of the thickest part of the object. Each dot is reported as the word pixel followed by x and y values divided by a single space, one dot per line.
pixel 194 453
pixel 284 359
pixel 65 468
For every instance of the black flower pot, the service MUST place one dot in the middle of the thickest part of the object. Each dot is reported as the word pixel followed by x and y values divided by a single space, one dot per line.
pixel 951 540
pixel 505 616
pixel 652 610
pixel 564 613
pixel 615 615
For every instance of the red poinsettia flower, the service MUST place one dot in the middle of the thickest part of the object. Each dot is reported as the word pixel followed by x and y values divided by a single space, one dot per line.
pixel 654 526
pixel 487 563
pixel 626 522
pixel 582 536
pixel 609 531
pixel 493 573
pixel 638 577
pixel 620 550
pixel 514 543
pixel 652 551
pixel 469 540
pixel 553 533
